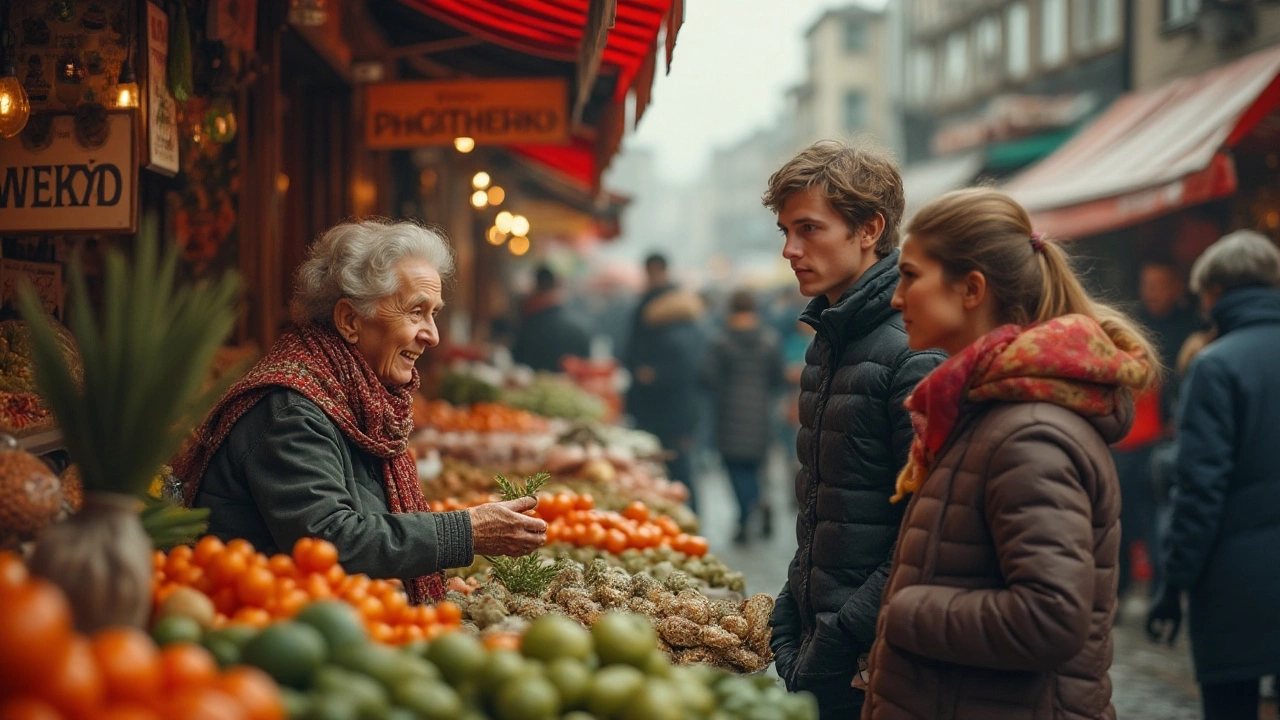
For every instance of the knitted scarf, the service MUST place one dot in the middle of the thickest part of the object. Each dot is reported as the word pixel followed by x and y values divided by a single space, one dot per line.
pixel 315 361
pixel 1068 361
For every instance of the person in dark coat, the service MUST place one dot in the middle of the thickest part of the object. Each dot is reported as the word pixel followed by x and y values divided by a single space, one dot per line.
pixel 314 440
pixel 663 356
pixel 1225 524
pixel 838 208
pixel 743 370
pixel 547 333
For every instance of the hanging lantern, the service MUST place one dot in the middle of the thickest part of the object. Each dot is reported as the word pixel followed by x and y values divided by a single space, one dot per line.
pixel 15 106
pixel 308 13
pixel 220 119
pixel 127 87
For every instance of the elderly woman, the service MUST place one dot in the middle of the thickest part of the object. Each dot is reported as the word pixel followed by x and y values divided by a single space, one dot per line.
pixel 313 442
pixel 1225 524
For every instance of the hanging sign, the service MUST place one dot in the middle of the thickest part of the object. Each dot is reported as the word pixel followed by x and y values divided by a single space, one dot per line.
pixel 162 109
pixel 54 183
pixel 492 112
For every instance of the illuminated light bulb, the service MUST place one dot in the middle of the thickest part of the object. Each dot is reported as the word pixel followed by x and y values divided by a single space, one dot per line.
pixel 519 245
pixel 464 144
pixel 479 199
pixel 497 195
pixel 503 221
pixel 519 225
pixel 15 107
pixel 496 235
pixel 127 87
pixel 480 180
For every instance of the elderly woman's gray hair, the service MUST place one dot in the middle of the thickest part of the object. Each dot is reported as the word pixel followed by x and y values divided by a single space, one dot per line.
pixel 1240 259
pixel 357 260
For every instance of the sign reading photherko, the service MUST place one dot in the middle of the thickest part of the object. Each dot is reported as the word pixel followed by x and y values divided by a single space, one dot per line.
pixel 493 112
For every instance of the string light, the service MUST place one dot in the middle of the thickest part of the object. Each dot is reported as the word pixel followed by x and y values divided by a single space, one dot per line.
pixel 15 106
pixel 496 236
pixel 127 87
pixel 519 245
pixel 519 225
pixel 503 221
pixel 497 195
pixel 464 144
pixel 479 199
pixel 480 180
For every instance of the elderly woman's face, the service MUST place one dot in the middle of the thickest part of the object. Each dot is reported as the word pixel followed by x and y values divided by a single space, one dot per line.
pixel 404 324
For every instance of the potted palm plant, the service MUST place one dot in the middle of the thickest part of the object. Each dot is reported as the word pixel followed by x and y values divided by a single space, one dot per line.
pixel 145 362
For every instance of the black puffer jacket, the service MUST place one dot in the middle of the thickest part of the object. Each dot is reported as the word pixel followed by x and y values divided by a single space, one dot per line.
pixel 853 440
pixel 743 370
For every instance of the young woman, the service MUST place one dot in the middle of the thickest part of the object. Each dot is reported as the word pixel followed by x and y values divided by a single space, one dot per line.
pixel 1003 587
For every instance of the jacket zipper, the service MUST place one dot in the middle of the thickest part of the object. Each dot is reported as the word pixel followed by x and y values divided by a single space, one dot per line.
pixel 811 499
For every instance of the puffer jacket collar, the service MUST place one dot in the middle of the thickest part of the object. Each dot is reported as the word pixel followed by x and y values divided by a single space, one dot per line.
pixel 861 309
pixel 1246 306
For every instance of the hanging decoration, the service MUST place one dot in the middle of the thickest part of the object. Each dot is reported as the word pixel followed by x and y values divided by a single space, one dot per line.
pixel 220 119
pixel 308 13
pixel 15 107
pixel 181 82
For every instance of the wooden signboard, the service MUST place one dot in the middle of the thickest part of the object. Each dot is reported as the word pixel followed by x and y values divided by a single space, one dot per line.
pixel 59 184
pixel 162 109
pixel 493 112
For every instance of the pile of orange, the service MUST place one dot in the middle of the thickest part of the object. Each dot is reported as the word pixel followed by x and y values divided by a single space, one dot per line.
pixel 451 504
pixel 250 588
pixel 479 417
pixel 50 672
pixel 573 519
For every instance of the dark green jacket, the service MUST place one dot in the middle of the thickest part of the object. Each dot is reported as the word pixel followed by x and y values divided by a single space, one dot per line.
pixel 287 472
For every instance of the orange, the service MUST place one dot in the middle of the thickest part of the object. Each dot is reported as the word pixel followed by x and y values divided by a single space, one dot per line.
pixel 335 575
pixel 395 605
pixel 290 603
pixel 161 593
pixel 130 664
pixel 26 708
pixel 207 549
pixel 315 556
pixel 158 560
pixel 584 502
pixel 179 556
pixel 228 567
pixel 73 684
pixel 255 586
pixel 255 691
pixel 241 546
pixel 204 703
pixel 128 712
pixel 426 615
pixel 317 586
pixel 282 565
pixel 225 600
pixel 637 511
pixel 189 575
pixel 381 632
pixel 410 633
pixel 187 665
pixel 35 631
pixel 371 608
pixel 503 641
pixel 448 613
pixel 697 546
pixel 255 617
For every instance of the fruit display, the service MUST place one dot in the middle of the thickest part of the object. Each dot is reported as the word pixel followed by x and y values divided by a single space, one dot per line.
pixel 692 628
pixel 659 563
pixel 460 387
pixel 48 670
pixel 23 413
pixel 30 495
pixel 17 360
pixel 484 417
pixel 458 480
pixel 247 587
pixel 624 460
pixel 574 519
pixel 556 396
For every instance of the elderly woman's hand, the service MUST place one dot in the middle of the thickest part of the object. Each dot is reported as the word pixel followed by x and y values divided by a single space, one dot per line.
pixel 502 528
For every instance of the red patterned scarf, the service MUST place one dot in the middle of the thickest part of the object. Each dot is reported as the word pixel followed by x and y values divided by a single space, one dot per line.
pixel 317 362
pixel 1068 361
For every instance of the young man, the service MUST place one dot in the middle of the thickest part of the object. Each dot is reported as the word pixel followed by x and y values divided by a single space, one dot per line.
pixel 838 208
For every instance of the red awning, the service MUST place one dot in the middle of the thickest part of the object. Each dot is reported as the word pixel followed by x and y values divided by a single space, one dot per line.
pixel 553 28
pixel 1152 152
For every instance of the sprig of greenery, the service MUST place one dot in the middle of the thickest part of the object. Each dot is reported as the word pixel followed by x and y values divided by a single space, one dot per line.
pixel 511 491
pixel 528 575
pixel 146 362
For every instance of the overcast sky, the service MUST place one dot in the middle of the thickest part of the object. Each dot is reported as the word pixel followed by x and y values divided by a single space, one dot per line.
pixel 733 61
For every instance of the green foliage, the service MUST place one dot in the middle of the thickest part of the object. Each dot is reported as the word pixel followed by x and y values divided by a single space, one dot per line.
pixel 146 361
pixel 511 491
pixel 528 575
pixel 169 525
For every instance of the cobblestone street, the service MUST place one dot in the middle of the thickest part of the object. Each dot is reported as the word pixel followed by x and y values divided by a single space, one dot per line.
pixel 1150 682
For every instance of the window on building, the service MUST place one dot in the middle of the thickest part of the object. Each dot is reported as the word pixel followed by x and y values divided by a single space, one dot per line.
pixel 1180 12
pixel 956 72
pixel 1053 31
pixel 1095 24
pixel 1108 21
pixel 1017 23
pixel 855 111
pixel 921 77
pixel 855 35
pixel 988 45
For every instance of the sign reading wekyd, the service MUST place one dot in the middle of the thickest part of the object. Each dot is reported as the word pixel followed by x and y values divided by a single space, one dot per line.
pixel 492 112
pixel 55 184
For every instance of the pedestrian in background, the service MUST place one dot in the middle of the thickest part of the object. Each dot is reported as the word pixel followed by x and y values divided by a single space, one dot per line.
pixel 743 372
pixel 1225 524
pixel 1002 593
pixel 663 355
pixel 547 332
pixel 838 208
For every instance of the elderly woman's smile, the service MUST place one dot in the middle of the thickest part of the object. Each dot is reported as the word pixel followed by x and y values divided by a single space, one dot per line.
pixel 402 325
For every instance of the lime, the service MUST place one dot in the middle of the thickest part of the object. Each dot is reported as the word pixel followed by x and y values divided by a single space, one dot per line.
pixel 528 698
pixel 417 647
pixel 556 636
pixel 658 664
pixel 612 688
pixel 296 703
pixel 657 700
pixel 332 707
pixel 623 639
pixel 377 661
pixel 577 715
pixel 237 634
pixel 799 706
pixel 572 679
pixel 458 655
pixel 429 700
pixel 696 697
pixel 290 652
pixel 223 650
pixel 399 713
pixel 337 622
pixel 369 696
pixel 175 629
pixel 501 667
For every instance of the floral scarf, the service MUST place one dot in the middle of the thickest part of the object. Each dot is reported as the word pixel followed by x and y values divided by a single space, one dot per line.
pixel 315 361
pixel 1069 361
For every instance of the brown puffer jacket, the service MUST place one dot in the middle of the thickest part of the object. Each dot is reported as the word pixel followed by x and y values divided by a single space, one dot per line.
pixel 1003 588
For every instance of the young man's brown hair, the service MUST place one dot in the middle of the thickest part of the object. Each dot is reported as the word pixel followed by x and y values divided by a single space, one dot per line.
pixel 859 180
